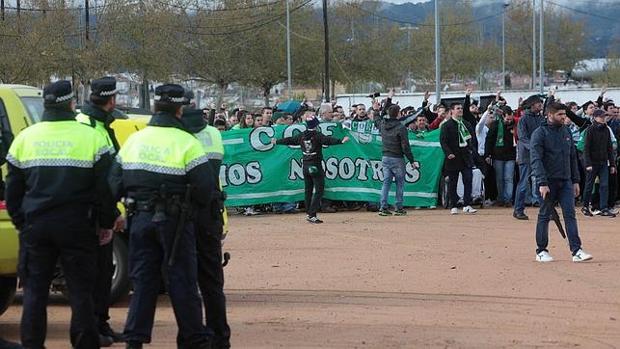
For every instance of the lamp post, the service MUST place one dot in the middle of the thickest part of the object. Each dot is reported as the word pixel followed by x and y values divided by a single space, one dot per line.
pixel 437 56
pixel 506 4
pixel 288 51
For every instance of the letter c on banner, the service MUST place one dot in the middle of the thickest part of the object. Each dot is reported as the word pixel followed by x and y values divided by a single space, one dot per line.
pixel 256 141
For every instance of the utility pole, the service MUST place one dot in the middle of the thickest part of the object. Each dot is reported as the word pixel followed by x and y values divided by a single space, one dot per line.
pixel 504 45
pixel 2 8
pixel 87 15
pixel 326 38
pixel 542 47
pixel 533 44
pixel 288 51
pixel 437 56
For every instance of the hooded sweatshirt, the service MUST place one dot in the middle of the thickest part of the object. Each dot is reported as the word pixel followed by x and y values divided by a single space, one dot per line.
pixel 395 139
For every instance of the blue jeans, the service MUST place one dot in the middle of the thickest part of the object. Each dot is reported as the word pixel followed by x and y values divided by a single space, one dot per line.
pixel 561 190
pixel 504 175
pixel 525 172
pixel 602 172
pixel 393 168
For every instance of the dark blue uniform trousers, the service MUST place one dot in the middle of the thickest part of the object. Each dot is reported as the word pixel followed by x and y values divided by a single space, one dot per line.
pixel 43 241
pixel 103 286
pixel 211 282
pixel 149 248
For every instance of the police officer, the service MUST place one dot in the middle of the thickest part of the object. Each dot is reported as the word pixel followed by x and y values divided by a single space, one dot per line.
pixel 153 170
pixel 57 194
pixel 209 232
pixel 97 113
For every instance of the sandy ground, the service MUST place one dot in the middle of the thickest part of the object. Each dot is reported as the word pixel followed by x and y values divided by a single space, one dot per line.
pixel 428 280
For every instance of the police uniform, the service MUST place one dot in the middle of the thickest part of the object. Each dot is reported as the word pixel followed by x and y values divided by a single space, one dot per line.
pixel 152 170
pixel 99 119
pixel 209 231
pixel 56 194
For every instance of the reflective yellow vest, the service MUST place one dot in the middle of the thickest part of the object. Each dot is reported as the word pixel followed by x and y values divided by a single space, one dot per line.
pixel 99 127
pixel 211 140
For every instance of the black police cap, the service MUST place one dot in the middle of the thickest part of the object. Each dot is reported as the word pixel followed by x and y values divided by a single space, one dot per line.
pixel 104 87
pixel 171 94
pixel 59 92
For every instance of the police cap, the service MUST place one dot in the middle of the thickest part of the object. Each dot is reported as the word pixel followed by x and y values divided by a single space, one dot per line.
pixel 171 94
pixel 104 87
pixel 57 93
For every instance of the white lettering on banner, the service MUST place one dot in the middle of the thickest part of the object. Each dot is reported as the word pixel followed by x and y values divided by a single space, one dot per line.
pixel 257 143
pixel 238 174
pixel 347 169
pixel 291 131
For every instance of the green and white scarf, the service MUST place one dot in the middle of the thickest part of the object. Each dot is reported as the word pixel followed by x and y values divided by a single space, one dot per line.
pixel 500 133
pixel 464 134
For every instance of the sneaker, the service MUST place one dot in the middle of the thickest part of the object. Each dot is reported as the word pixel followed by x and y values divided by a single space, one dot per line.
pixel 544 257
pixel 581 256
pixel 433 207
pixel 249 211
pixel 469 209
pixel 400 212
pixel 607 213
pixel 586 211
pixel 596 212
pixel 520 216
pixel 314 220
pixel 614 210
pixel 384 212
pixel 454 211
pixel 417 208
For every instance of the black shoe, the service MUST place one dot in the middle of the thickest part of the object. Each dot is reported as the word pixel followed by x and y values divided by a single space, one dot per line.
pixel 133 345
pixel 105 341
pixel 314 220
pixel 536 204
pixel 586 211
pixel 384 212
pixel 4 344
pixel 520 216
pixel 607 213
pixel 400 212
pixel 107 331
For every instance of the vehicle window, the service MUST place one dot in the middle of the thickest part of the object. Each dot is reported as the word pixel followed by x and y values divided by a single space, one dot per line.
pixel 34 106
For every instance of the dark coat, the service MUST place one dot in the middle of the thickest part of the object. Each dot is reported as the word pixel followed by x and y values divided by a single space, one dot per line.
pixel 553 154
pixel 449 139
pixel 508 151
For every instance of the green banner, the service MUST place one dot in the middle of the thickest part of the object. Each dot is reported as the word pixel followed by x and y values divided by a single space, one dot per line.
pixel 255 171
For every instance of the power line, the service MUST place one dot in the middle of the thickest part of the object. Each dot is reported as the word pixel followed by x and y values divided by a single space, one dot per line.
pixel 425 24
pixel 582 12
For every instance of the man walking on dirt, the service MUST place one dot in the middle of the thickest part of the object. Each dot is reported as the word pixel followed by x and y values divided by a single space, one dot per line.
pixel 554 166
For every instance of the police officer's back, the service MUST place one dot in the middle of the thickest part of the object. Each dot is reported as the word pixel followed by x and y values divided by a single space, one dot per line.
pixel 152 170
pixel 209 233
pixel 56 182
pixel 97 113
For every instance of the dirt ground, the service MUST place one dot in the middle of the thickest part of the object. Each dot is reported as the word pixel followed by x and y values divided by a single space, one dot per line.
pixel 427 280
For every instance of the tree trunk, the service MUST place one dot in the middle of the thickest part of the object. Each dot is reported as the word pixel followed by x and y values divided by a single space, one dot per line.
pixel 220 96
pixel 267 92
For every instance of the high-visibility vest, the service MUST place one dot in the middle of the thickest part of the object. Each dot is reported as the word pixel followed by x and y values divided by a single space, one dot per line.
pixel 99 127
pixel 211 141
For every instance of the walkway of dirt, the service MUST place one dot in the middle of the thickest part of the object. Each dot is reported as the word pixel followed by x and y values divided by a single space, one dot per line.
pixel 428 280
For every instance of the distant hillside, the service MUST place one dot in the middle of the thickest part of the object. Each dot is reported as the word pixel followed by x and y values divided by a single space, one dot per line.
pixel 603 30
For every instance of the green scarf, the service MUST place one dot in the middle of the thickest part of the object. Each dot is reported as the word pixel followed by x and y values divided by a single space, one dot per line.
pixel 500 133
pixel 464 134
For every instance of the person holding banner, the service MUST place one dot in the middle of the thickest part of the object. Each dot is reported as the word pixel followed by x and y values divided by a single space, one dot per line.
pixel 312 142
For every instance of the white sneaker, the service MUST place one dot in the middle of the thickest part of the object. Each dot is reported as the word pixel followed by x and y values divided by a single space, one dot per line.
pixel 544 257
pixel 249 211
pixel 454 211
pixel 433 207
pixel 596 212
pixel 469 209
pixel 614 211
pixel 581 256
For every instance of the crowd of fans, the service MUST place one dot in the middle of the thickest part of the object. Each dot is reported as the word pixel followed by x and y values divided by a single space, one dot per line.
pixel 498 144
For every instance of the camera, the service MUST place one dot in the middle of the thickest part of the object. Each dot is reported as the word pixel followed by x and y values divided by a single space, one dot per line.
pixel 374 95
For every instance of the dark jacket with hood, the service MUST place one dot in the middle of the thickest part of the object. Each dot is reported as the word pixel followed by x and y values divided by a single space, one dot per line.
pixel 553 154
pixel 598 149
pixel 526 127
pixel 395 139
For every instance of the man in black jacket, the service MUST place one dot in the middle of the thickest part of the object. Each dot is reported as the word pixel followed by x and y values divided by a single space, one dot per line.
pixel 456 142
pixel 554 165
pixel 395 145
pixel 599 161
pixel 311 142
pixel 500 151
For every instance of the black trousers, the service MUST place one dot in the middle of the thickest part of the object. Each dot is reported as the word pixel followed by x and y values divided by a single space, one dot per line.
pixel 103 284
pixel 453 179
pixel 211 282
pixel 42 242
pixel 313 183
